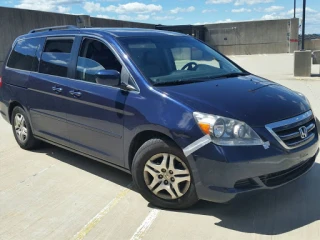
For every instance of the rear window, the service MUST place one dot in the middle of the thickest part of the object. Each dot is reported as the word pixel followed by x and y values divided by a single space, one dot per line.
pixel 24 55
pixel 56 57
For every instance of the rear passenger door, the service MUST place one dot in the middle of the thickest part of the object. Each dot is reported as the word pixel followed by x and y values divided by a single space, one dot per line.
pixel 95 116
pixel 48 90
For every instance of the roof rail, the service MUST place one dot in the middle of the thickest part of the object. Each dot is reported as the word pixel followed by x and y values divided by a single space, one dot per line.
pixel 64 27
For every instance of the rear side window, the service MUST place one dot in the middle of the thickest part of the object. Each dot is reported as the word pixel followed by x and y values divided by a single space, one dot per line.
pixel 24 55
pixel 56 57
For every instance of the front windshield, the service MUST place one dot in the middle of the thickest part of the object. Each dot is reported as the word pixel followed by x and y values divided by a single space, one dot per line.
pixel 176 59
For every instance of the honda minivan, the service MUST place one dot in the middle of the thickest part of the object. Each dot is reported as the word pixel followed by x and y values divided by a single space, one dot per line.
pixel 184 120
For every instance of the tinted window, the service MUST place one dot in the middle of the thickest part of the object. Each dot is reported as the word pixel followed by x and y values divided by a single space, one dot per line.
pixel 55 64
pixel 59 45
pixel 93 57
pixel 56 57
pixel 23 56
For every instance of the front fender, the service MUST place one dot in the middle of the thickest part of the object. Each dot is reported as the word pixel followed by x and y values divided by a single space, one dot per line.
pixel 161 114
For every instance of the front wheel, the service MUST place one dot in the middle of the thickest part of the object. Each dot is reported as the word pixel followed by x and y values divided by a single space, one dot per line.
pixel 163 176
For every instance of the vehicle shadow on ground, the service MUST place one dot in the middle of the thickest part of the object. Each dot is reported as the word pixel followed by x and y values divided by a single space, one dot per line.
pixel 86 164
pixel 270 212
pixel 266 212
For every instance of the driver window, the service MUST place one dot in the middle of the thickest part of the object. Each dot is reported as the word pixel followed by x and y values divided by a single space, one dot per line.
pixel 93 57
pixel 187 56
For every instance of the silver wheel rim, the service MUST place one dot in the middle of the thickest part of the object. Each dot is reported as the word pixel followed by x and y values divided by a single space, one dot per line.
pixel 20 127
pixel 167 176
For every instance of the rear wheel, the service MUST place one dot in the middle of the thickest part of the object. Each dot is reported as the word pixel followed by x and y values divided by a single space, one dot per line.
pixel 22 130
pixel 162 175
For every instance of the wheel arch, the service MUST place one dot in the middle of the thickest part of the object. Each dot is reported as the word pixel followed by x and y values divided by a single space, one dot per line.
pixel 140 138
pixel 12 105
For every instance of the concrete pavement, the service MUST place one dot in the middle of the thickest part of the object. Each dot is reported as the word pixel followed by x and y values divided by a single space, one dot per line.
pixel 55 194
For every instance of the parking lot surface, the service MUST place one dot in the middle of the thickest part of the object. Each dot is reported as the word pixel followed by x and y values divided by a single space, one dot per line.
pixel 51 193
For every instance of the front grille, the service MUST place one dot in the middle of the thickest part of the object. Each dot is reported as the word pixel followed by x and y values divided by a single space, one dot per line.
pixel 278 178
pixel 291 137
pixel 287 132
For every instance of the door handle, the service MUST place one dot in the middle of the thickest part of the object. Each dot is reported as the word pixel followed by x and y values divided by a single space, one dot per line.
pixel 57 89
pixel 75 93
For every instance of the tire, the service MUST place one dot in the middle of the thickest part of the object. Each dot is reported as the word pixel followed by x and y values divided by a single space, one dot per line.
pixel 26 139
pixel 154 150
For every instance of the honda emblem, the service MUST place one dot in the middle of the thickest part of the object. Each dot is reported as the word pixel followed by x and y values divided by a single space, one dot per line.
pixel 303 132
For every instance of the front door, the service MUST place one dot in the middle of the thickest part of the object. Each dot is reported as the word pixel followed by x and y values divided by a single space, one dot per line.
pixel 95 116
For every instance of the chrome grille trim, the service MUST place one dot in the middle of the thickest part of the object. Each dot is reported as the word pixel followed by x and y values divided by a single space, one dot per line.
pixel 287 122
pixel 302 141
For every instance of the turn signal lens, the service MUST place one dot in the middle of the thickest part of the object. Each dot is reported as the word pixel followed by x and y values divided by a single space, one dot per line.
pixel 205 127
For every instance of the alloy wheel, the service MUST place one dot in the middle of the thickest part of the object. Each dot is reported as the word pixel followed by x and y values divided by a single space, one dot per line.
pixel 20 127
pixel 167 176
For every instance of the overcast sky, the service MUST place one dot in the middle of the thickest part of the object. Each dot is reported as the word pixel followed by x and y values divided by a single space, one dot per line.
pixel 175 12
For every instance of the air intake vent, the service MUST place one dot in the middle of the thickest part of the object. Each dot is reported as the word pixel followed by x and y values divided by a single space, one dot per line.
pixel 278 178
pixel 246 184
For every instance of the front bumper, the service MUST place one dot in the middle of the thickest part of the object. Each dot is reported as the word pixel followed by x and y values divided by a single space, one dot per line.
pixel 248 168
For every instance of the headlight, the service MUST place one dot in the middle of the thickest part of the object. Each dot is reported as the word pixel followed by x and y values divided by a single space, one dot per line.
pixel 226 131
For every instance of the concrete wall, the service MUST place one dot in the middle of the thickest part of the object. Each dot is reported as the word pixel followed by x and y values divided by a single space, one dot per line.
pixel 254 37
pixel 293 34
pixel 15 22
pixel 101 22
pixel 312 44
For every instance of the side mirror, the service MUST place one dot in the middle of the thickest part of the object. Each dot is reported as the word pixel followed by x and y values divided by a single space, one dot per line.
pixel 108 77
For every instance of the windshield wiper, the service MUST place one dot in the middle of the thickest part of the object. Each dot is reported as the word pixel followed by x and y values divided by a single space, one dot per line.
pixel 229 75
pixel 177 82
pixel 199 79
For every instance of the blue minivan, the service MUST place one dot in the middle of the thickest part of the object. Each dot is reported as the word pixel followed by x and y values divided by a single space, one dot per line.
pixel 184 120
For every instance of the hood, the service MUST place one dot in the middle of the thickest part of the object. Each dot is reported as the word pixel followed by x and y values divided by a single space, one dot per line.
pixel 251 99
